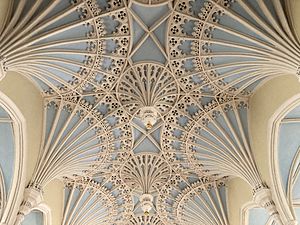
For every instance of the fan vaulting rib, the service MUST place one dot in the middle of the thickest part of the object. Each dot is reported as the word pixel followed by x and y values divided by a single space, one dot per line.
pixel 202 205
pixel 81 139
pixel 144 173
pixel 66 45
pixel 77 52
pixel 89 202
pixel 230 46
pixel 190 200
pixel 213 140
pixel 147 84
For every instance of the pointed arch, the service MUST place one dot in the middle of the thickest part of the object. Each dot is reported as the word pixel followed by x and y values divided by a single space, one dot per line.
pixel 14 198
pixel 281 198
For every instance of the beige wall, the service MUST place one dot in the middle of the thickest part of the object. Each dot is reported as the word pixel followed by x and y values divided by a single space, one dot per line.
pixel 29 100
pixel 263 104
pixel 3 8
pixel 295 11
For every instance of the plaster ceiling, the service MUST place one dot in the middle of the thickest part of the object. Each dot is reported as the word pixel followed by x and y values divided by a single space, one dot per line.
pixel 145 102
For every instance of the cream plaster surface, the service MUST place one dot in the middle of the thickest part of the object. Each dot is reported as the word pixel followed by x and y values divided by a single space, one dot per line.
pixel 295 11
pixel 239 193
pixel 263 104
pixel 3 8
pixel 29 100
pixel 54 198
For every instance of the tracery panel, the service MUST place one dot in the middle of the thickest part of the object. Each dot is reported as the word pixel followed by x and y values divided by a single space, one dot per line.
pixel 66 45
pixel 230 46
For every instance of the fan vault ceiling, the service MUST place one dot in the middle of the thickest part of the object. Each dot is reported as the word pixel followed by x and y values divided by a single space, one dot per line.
pixel 146 102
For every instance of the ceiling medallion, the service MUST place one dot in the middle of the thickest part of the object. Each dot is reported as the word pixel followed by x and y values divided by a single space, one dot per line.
pixel 145 173
pixel 148 91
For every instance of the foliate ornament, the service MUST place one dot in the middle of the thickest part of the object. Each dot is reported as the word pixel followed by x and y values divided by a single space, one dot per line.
pixel 148 90
pixel 145 173
pixel 146 201
pixel 149 116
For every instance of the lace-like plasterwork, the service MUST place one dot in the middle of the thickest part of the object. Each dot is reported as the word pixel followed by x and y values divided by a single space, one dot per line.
pixel 99 97
pixel 148 84
pixel 60 59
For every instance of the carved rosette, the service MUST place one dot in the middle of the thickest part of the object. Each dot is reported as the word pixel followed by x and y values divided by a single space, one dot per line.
pixel 148 87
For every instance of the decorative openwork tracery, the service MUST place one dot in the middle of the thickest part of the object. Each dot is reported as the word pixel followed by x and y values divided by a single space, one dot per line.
pixel 66 45
pixel 82 54
pixel 188 199
pixel 145 220
pixel 148 91
pixel 81 137
pixel 230 46
pixel 89 202
pixel 145 173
